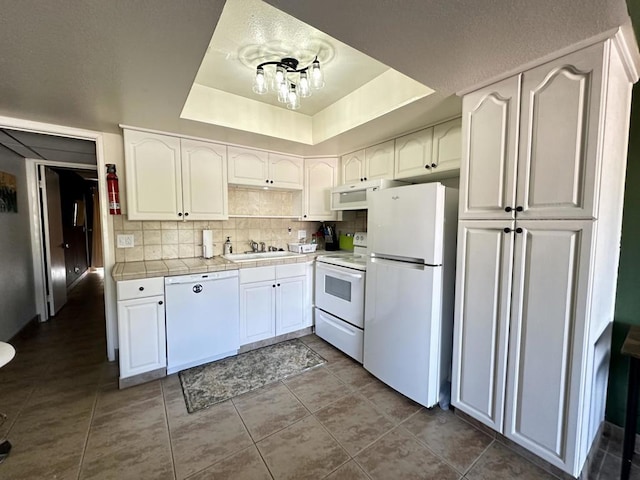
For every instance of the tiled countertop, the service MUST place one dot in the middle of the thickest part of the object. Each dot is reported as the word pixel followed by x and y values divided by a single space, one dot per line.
pixel 185 266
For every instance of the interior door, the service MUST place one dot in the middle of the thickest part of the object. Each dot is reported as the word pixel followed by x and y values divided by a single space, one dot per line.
pixel 53 240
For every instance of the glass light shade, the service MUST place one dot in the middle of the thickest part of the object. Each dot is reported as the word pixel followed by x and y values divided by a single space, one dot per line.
pixel 279 76
pixel 304 88
pixel 317 77
pixel 293 102
pixel 260 82
pixel 283 92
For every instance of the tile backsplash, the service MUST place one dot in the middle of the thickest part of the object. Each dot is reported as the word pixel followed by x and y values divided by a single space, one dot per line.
pixel 169 240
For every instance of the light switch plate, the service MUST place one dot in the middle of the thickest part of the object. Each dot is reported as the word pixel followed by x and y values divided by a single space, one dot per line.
pixel 125 241
pixel 302 234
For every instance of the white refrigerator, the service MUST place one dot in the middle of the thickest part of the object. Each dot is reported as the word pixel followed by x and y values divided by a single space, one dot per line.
pixel 409 297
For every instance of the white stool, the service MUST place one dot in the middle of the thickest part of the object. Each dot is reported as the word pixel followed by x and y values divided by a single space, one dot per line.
pixel 7 352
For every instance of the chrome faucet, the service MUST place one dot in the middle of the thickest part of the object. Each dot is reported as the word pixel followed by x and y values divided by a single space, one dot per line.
pixel 263 247
pixel 254 245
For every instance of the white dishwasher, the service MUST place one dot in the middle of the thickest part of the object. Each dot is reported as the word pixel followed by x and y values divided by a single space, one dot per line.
pixel 202 316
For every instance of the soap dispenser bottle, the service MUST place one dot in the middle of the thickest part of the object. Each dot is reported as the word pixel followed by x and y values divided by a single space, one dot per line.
pixel 228 247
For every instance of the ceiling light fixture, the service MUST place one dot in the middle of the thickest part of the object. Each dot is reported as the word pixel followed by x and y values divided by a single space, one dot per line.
pixel 288 81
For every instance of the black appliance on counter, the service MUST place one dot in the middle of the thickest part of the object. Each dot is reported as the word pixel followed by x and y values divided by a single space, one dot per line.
pixel 330 237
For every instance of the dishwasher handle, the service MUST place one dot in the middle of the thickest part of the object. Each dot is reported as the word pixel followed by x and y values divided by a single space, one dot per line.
pixel 200 277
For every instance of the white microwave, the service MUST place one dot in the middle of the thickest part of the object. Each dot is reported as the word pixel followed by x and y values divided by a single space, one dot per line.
pixel 354 196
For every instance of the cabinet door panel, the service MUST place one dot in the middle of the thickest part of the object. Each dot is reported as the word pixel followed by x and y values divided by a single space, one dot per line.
pixel 257 310
pixel 559 136
pixel 489 151
pixel 320 175
pixel 483 293
pixel 291 308
pixel 204 180
pixel 550 287
pixel 141 333
pixel 447 146
pixel 379 161
pixel 154 184
pixel 247 167
pixel 353 167
pixel 413 153
pixel 285 171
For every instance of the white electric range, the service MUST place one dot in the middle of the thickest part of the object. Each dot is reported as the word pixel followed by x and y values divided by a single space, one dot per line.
pixel 339 299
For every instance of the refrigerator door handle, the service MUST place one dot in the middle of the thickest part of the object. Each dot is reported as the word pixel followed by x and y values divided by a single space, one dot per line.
pixel 402 262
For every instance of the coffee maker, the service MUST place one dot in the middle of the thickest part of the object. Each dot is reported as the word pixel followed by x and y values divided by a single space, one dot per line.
pixel 330 237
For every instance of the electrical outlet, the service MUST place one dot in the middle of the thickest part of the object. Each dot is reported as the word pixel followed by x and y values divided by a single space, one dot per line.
pixel 302 234
pixel 125 241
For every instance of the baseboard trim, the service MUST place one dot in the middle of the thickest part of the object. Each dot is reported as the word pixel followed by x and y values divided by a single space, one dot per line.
pixel 273 340
pixel 142 378
pixel 26 328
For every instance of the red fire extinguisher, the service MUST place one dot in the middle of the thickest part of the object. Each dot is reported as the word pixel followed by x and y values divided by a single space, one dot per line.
pixel 114 191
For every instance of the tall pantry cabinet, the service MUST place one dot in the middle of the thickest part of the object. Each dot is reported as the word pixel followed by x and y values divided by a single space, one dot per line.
pixel 541 193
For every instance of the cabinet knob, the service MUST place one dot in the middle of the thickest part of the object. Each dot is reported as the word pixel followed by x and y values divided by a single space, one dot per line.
pixel 160 302
pixel 267 180
pixel 141 289
pixel 304 216
pixel 519 209
pixel 507 230
pixel 518 230
pixel 278 284
pixel 508 209
pixel 270 181
pixel 186 214
pixel 180 214
pixel 361 179
pixel 273 286
pixel 365 179
pixel 428 167
pixel 433 165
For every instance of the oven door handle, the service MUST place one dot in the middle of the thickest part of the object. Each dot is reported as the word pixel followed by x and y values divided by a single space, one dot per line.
pixel 339 272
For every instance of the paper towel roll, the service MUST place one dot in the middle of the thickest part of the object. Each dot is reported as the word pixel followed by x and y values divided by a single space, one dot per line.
pixel 207 243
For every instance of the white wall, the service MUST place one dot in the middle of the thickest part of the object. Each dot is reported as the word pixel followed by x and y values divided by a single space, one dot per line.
pixel 17 291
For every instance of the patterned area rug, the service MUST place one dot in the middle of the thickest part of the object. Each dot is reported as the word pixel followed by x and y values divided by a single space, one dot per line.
pixel 215 382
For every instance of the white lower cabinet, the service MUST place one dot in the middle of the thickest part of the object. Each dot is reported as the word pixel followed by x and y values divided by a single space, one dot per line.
pixel 274 300
pixel 141 326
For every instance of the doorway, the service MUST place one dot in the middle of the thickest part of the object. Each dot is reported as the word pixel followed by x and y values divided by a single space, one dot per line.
pixel 96 139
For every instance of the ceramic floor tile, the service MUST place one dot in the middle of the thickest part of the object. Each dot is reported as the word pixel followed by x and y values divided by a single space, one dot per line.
pixel 349 471
pixel 208 437
pixel 448 436
pixel 611 466
pixel 316 388
pixel 244 465
pixel 399 455
pixel 501 463
pixel 269 409
pixel 351 373
pixel 326 351
pixel 354 422
pixel 146 461
pixel 393 404
pixel 110 398
pixel 302 451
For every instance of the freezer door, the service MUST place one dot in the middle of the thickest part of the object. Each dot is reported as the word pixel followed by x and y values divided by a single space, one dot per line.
pixel 407 222
pixel 402 328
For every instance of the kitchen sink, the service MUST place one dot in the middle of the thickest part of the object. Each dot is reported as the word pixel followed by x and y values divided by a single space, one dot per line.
pixel 253 256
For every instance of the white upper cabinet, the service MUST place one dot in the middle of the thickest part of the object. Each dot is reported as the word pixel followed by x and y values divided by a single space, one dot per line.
pixel 353 167
pixel 173 179
pixel 248 167
pixel 259 169
pixel 557 164
pixel 490 143
pixel 413 154
pixel 320 175
pixel 286 171
pixel 379 161
pixel 204 180
pixel 447 146
pixel 153 176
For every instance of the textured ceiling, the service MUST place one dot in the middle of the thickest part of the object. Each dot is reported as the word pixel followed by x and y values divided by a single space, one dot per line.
pixel 94 64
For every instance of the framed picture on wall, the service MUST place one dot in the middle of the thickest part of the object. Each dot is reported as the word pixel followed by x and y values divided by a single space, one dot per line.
pixel 8 193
